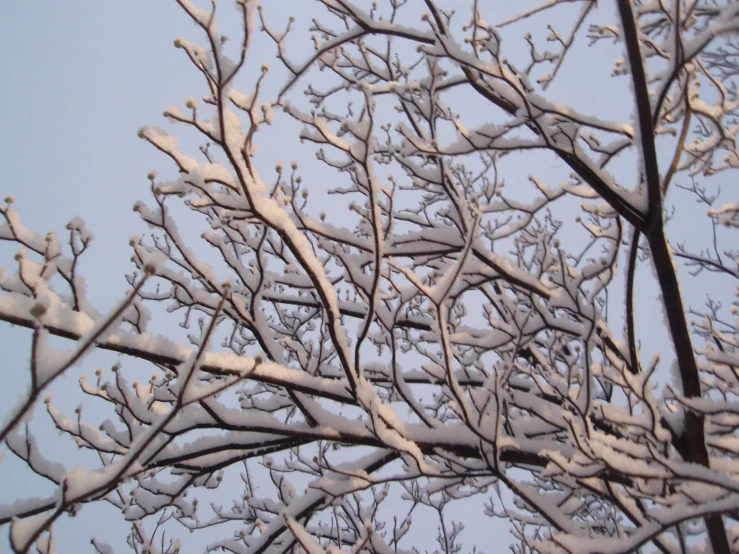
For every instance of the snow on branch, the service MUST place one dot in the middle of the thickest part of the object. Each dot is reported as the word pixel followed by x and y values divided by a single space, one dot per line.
pixel 444 311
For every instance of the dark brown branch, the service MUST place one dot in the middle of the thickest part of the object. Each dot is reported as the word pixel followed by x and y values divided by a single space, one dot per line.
pixel 666 274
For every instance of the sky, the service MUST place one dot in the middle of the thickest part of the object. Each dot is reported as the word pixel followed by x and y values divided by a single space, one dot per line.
pixel 80 82
pixel 80 79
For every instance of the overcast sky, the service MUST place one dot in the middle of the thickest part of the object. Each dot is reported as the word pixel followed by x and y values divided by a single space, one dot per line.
pixel 79 79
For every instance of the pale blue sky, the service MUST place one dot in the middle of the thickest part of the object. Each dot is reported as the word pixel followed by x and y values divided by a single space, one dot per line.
pixel 79 79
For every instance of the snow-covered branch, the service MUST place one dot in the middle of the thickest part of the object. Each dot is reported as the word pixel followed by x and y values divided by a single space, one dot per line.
pixel 447 302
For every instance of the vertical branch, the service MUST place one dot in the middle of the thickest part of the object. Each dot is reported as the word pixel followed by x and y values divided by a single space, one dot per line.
pixel 694 432
pixel 630 323
pixel 643 114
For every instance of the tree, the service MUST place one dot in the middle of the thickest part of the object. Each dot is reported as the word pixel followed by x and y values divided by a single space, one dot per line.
pixel 438 339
